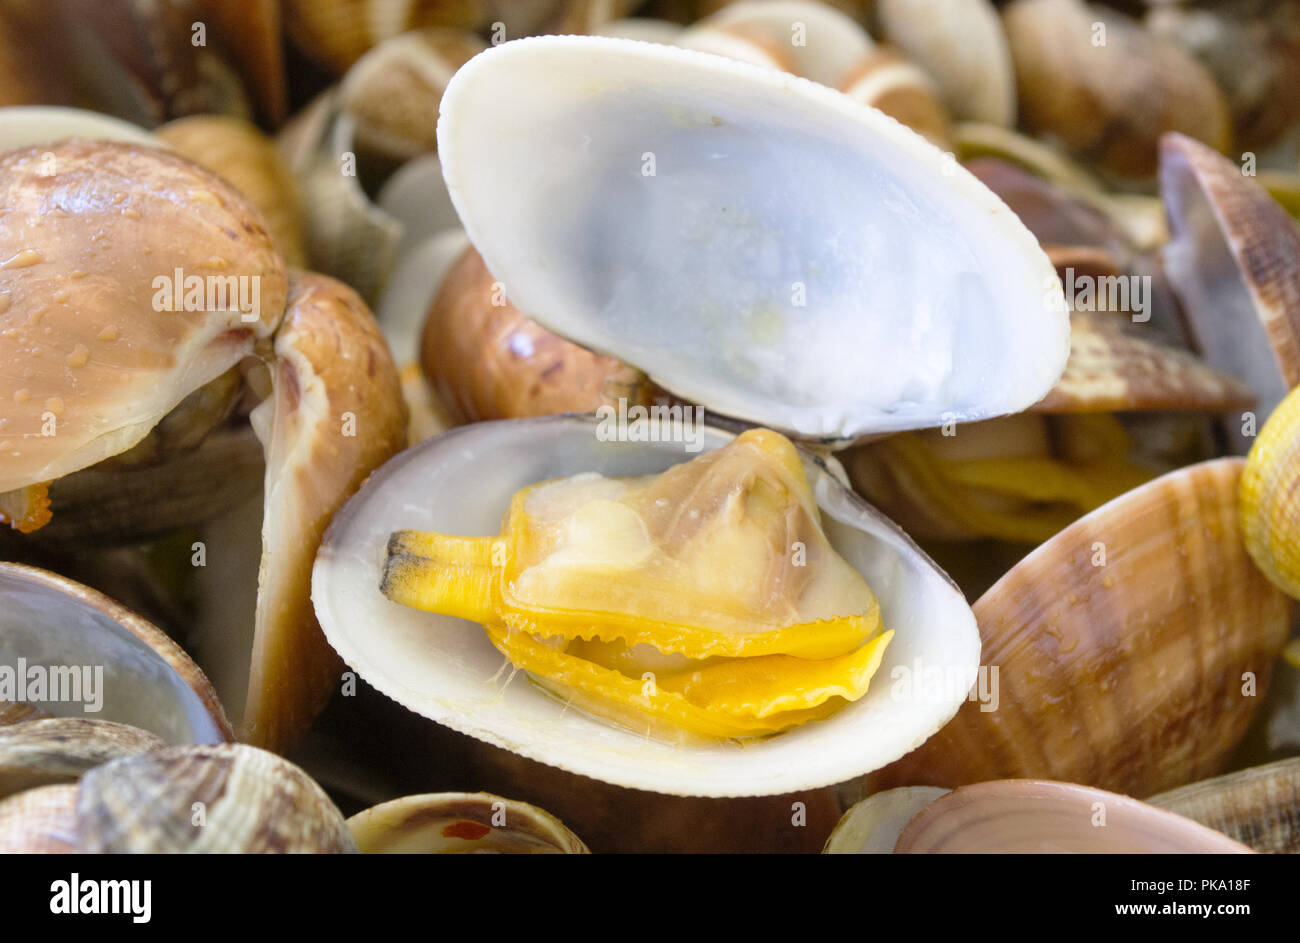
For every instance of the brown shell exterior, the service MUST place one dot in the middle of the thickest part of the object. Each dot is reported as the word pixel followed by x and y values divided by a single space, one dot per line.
pixel 394 91
pixel 59 749
pixel 907 95
pixel 1259 807
pixel 249 30
pixel 1108 102
pixel 329 350
pixel 489 361
pixel 336 33
pixel 227 798
pixel 88 228
pixel 1112 369
pixel 250 161
pixel 41 821
pixel 1137 675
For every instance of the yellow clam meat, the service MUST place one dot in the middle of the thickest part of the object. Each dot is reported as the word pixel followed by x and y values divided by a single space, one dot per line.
pixel 705 598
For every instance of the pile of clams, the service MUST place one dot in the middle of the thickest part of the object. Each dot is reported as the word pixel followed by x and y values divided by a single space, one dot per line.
pixel 649 426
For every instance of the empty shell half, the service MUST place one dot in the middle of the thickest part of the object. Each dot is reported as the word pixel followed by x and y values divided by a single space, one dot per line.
pixel 755 242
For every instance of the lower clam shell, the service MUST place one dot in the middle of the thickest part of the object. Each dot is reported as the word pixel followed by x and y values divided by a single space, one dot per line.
pixel 446 669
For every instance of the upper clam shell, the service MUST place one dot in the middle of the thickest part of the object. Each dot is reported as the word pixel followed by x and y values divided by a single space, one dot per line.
pixel 641 222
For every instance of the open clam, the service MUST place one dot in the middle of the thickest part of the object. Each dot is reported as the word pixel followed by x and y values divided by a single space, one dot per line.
pixel 145 321
pixel 446 669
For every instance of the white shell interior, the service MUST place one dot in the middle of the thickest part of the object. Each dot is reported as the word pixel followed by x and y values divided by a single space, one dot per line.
pixel 445 668
pixel 757 243
pixel 52 629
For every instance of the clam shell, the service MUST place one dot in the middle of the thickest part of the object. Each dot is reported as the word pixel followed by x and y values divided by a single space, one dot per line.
pixel 821 42
pixel 241 154
pixel 60 749
pixel 230 798
pixel 743 44
pixel 148 681
pixel 1108 101
pixel 392 92
pixel 106 504
pixel 1259 807
pixel 1270 497
pixel 1135 675
pixel 705 295
pixel 28 125
pixel 642 28
pixel 1253 50
pixel 972 139
pixel 347 235
pixel 1036 817
pixel 416 196
pixel 197 223
pixel 961 45
pixel 489 361
pixel 446 670
pixel 335 414
pixel 872 826
pixel 336 33
pixel 415 282
pixel 18 712
pixel 615 820
pixel 40 821
pixel 889 82
pixel 461 823
pixel 1234 261
pixel 1112 368
pixel 136 60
